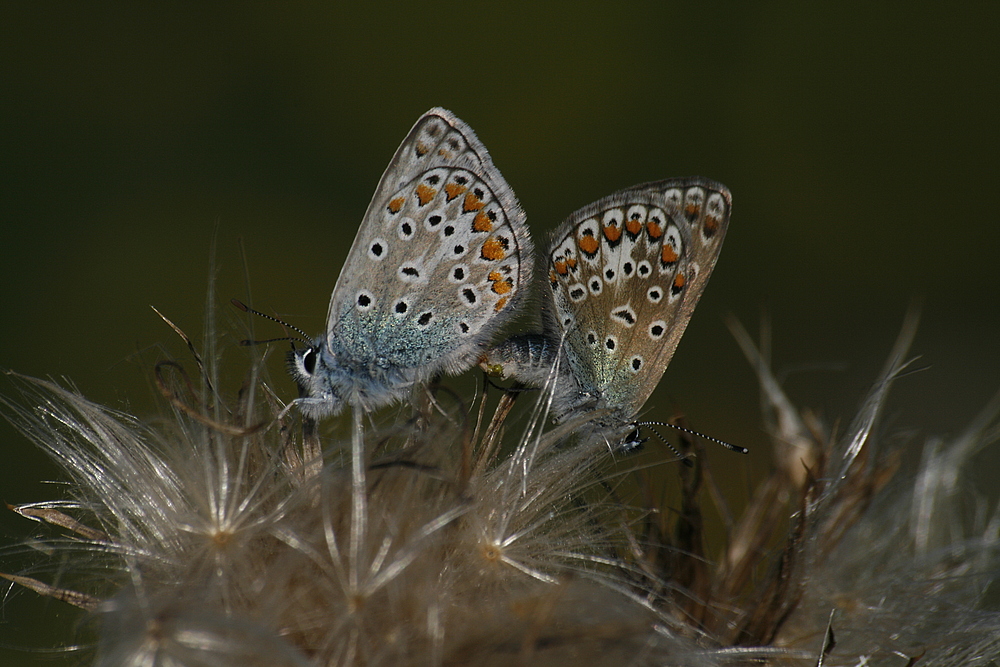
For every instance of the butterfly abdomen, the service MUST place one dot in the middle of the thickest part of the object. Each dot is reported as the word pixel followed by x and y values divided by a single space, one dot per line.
pixel 527 358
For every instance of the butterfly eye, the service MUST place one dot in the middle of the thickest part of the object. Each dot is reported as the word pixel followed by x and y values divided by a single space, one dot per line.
pixel 632 442
pixel 309 360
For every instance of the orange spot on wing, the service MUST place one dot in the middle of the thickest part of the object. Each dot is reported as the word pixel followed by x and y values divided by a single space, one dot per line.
pixel 425 193
pixel 561 267
pixel 692 209
pixel 452 190
pixel 500 304
pixel 669 255
pixel 421 149
pixel 711 225
pixel 482 223
pixel 679 282
pixel 588 244
pixel 493 250
pixel 633 226
pixel 472 203
pixel 654 230
pixel 552 275
pixel 501 285
pixel 612 233
pixel 396 204
pixel 571 263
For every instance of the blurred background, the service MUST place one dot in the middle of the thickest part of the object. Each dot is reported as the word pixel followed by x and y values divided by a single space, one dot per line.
pixel 859 140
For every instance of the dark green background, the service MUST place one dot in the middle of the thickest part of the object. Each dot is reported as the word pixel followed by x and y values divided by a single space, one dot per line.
pixel 859 140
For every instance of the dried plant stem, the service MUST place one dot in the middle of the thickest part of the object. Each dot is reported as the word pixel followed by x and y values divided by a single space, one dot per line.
pixel 359 496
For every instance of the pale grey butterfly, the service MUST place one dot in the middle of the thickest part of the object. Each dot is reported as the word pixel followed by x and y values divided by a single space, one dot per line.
pixel 625 274
pixel 442 260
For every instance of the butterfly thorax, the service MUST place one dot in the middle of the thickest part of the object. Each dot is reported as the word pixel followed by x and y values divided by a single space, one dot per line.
pixel 329 378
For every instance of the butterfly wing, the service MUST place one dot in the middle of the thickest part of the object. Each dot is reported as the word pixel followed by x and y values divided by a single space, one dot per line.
pixel 442 258
pixel 625 275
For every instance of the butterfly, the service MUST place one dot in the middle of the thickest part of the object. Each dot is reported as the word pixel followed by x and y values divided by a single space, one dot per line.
pixel 624 275
pixel 441 261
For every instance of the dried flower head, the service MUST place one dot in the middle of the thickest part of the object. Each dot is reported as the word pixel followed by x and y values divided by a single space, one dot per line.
pixel 232 532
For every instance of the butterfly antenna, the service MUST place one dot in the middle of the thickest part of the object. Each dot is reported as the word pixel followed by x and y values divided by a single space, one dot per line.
pixel 247 309
pixel 634 442
pixel 731 447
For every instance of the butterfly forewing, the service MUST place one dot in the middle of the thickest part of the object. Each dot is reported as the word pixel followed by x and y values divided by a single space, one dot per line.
pixel 626 273
pixel 440 260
